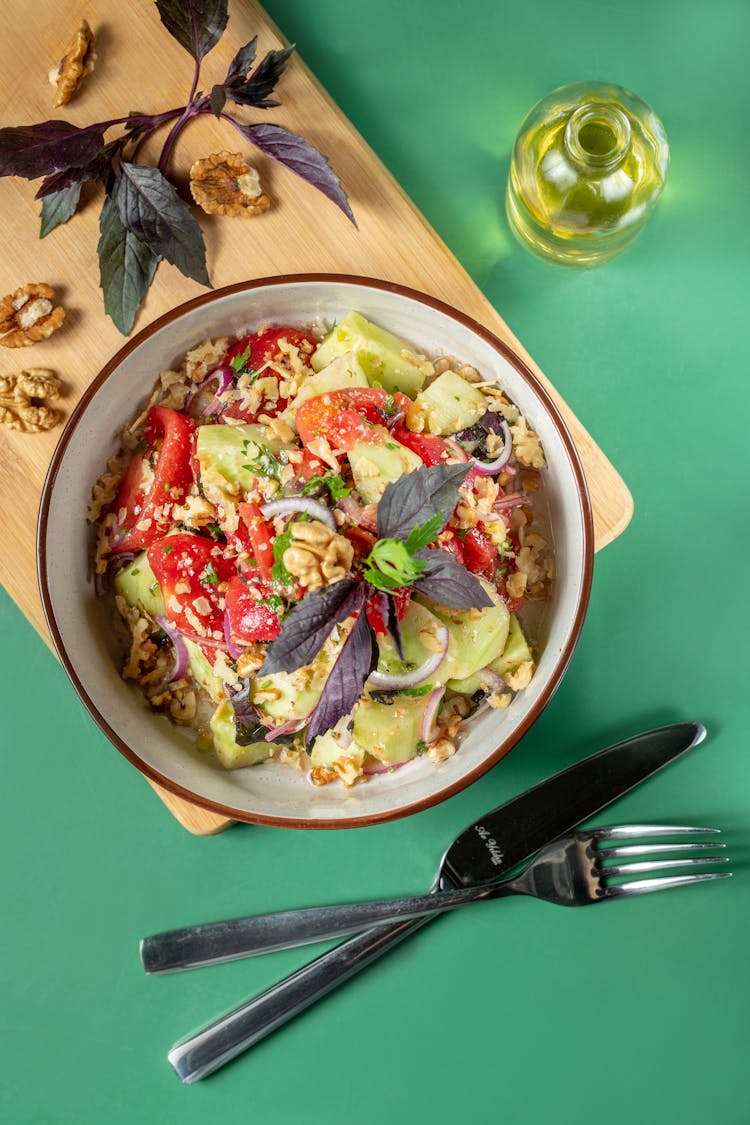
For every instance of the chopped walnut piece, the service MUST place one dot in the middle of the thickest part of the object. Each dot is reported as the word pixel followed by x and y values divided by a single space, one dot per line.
pixel 78 61
pixel 318 556
pixel 224 184
pixel 24 398
pixel 27 316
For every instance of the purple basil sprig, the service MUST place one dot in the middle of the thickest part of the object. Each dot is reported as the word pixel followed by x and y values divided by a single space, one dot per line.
pixel 143 219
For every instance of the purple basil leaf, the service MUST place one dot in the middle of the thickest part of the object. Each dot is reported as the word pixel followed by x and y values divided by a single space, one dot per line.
pixel 37 150
pixel 248 725
pixel 197 24
pixel 392 624
pixel 300 157
pixel 417 497
pixel 100 168
pixel 346 680
pixel 126 268
pixel 444 580
pixel 241 63
pixel 217 100
pixel 308 626
pixel 262 82
pixel 58 207
pixel 152 210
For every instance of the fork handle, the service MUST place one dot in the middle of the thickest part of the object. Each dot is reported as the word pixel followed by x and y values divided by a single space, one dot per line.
pixel 201 1054
pixel 214 942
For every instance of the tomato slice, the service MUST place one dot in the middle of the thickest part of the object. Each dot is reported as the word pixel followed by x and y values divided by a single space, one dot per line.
pixel 433 450
pixel 264 346
pixel 449 541
pixel 345 418
pixel 375 613
pixel 480 553
pixel 192 573
pixel 250 619
pixel 157 478
pixel 261 537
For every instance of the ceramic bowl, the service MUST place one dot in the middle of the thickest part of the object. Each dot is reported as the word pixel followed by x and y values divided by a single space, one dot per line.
pixel 272 793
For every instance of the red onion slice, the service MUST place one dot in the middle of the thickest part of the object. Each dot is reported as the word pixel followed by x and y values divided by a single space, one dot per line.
pixel 373 771
pixel 234 651
pixel 225 379
pixel 181 659
pixel 489 468
pixel 400 681
pixel 362 516
pixel 493 680
pixel 292 504
pixel 512 500
pixel 291 726
pixel 429 732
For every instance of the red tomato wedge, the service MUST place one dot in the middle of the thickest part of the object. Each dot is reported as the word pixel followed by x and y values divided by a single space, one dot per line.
pixel 192 573
pixel 480 553
pixel 263 348
pixel 157 479
pixel 261 538
pixel 450 542
pixel 250 619
pixel 375 612
pixel 433 450
pixel 345 418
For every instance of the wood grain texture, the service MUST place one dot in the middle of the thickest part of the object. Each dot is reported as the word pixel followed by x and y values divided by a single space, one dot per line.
pixel 141 67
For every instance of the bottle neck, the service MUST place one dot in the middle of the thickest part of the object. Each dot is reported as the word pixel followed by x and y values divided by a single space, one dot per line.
pixel 597 137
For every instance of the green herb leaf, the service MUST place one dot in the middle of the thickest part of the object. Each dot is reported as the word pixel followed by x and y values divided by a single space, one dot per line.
pixel 58 207
pixel 197 24
pixel 334 484
pixel 265 464
pixel 279 572
pixel 390 565
pixel 126 268
pixel 152 210
pixel 420 536
pixel 238 362
pixel 209 574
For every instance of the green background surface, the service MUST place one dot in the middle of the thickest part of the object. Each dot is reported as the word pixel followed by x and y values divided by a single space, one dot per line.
pixel 512 1011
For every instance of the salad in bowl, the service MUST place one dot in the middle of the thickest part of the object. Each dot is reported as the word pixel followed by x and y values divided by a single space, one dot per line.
pixel 320 545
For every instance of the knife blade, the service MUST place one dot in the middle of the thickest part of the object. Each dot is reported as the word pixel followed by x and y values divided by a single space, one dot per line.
pixel 503 838
pixel 483 852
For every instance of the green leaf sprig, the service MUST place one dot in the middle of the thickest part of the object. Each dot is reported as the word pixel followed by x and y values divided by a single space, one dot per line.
pixel 143 219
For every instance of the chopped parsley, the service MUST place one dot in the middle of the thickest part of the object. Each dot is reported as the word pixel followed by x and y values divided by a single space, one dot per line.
pixel 265 464
pixel 209 574
pixel 238 363
pixel 417 692
pixel 279 572
pixel 168 550
pixel 421 747
pixel 334 484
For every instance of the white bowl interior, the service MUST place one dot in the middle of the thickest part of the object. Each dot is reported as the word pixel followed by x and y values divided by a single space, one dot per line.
pixel 272 790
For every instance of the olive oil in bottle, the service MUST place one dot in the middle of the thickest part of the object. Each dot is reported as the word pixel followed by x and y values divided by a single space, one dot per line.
pixel 589 163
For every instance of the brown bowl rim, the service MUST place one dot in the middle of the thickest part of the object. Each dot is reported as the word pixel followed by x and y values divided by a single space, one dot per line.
pixel 563 660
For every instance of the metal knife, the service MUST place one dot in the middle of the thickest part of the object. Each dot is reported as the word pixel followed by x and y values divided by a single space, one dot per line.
pixel 484 851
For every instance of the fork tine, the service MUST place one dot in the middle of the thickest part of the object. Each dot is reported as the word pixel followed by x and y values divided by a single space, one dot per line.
pixel 644 886
pixel 652 849
pixel 625 831
pixel 659 865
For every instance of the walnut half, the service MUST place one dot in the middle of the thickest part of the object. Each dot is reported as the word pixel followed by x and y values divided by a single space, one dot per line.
pixel 318 556
pixel 27 316
pixel 24 397
pixel 78 61
pixel 224 184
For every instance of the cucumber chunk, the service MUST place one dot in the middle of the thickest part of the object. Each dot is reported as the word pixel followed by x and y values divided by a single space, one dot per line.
pixel 378 351
pixel 476 637
pixel 325 749
pixel 230 754
pixel 224 451
pixel 342 374
pixel 203 673
pixel 293 695
pixel 390 732
pixel 375 466
pixel 448 405
pixel 137 584
pixel 417 622
pixel 515 652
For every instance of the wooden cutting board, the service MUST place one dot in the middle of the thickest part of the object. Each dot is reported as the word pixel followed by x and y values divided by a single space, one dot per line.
pixel 141 67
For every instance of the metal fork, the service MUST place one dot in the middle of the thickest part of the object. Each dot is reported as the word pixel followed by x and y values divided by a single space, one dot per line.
pixel 574 870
